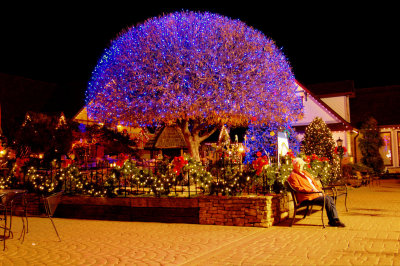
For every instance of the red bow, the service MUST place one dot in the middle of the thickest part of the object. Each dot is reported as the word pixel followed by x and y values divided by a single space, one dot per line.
pixel 179 163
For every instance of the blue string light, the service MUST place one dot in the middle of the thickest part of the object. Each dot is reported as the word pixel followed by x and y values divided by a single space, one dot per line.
pixel 192 65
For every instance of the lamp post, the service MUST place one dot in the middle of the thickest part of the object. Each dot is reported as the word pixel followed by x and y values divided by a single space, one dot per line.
pixel 340 151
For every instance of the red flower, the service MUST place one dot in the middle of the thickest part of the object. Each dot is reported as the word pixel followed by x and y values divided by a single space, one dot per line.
pixel 291 154
pixel 258 154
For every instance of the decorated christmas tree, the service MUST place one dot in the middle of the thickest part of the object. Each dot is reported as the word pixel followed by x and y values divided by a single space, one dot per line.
pixel 318 142
pixel 318 139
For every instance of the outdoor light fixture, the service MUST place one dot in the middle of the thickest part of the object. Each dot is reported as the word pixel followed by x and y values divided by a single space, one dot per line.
pixel 339 142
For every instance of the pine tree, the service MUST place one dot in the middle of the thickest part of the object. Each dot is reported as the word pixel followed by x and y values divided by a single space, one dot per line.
pixel 369 144
pixel 318 139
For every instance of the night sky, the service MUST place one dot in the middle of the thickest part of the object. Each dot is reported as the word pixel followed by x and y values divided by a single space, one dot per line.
pixel 322 43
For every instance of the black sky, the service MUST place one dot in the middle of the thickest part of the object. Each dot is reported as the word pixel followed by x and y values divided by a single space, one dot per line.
pixel 62 43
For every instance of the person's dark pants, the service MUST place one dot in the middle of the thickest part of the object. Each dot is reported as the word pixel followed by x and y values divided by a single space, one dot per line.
pixel 330 207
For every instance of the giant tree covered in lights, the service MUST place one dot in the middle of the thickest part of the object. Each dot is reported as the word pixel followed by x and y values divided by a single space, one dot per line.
pixel 196 71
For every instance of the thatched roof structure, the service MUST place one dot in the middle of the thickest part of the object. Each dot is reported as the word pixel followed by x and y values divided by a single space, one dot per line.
pixel 167 138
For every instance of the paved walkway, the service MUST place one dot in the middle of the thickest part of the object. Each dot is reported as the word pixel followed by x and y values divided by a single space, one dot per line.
pixel 372 237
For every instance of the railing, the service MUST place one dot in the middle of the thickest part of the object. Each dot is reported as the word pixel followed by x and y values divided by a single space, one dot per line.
pixel 147 178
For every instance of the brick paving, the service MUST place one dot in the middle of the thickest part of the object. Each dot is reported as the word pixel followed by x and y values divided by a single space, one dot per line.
pixel 371 237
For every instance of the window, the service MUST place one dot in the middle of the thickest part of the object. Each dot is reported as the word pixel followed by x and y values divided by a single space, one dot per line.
pixel 398 145
pixel 386 149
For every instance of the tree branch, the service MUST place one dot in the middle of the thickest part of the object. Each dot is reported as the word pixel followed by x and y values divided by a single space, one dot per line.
pixel 205 136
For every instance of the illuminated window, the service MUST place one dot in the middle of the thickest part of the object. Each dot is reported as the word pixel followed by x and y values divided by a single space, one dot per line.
pixel 398 145
pixel 386 149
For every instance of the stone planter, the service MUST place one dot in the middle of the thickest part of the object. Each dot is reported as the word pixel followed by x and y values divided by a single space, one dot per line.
pixel 256 211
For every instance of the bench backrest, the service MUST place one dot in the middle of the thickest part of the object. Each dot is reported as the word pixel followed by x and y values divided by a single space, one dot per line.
pixel 292 192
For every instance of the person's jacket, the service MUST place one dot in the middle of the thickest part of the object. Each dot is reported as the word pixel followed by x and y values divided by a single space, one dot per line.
pixel 298 181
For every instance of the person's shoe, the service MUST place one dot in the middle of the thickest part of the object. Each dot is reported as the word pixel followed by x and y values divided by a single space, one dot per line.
pixel 337 223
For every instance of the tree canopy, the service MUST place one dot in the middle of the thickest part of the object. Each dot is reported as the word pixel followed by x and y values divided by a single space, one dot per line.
pixel 201 69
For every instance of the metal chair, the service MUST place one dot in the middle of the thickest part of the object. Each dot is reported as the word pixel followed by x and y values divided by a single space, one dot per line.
pixel 304 204
pixel 375 179
pixel 8 200
pixel 3 210
pixel 50 203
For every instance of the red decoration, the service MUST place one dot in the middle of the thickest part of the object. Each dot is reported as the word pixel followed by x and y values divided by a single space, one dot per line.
pixel 122 159
pixel 179 163
pixel 66 163
pixel 344 150
pixel 18 164
pixel 323 159
pixel 291 154
pixel 260 163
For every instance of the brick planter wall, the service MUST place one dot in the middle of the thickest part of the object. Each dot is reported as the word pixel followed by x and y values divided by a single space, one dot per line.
pixel 260 211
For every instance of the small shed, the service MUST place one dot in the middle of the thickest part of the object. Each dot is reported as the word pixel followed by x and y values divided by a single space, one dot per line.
pixel 167 141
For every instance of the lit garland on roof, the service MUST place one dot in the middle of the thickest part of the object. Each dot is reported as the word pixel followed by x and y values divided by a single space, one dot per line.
pixel 192 66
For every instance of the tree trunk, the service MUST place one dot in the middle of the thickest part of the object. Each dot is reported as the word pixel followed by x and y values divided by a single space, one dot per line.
pixel 193 138
pixel 194 146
